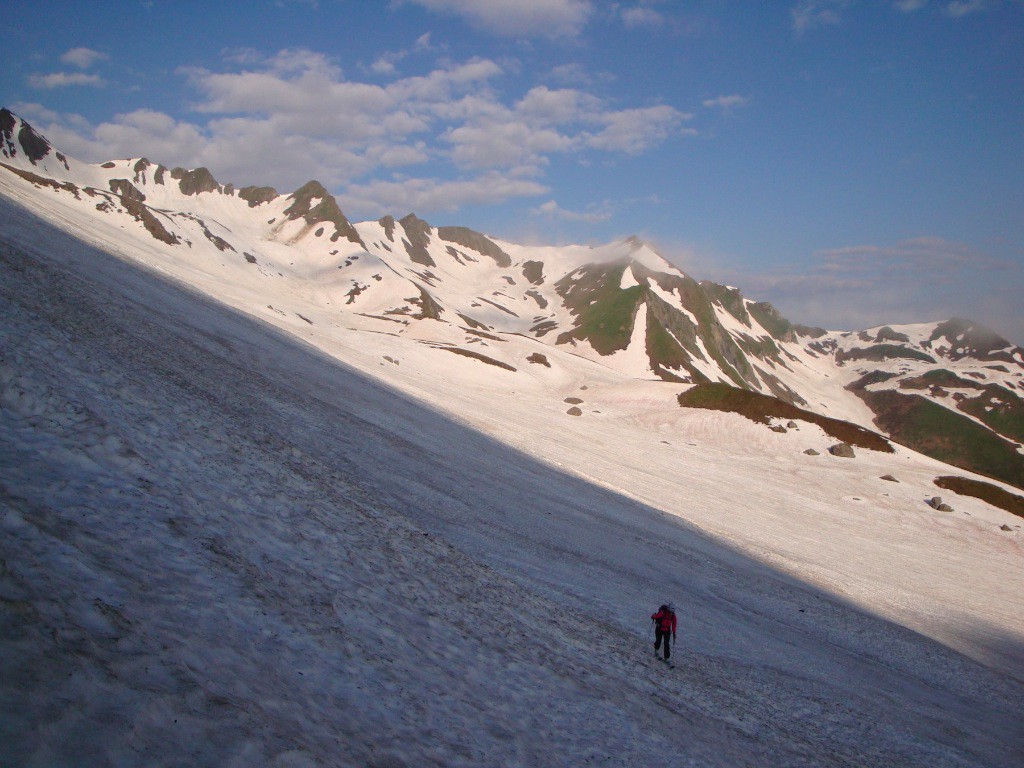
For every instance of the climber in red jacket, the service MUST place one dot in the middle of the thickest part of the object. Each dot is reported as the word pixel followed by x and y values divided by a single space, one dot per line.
pixel 664 625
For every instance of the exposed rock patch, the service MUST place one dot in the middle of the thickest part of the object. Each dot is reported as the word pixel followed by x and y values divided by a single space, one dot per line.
pixel 480 243
pixel 255 196
pixel 842 450
pixel 418 232
pixel 195 182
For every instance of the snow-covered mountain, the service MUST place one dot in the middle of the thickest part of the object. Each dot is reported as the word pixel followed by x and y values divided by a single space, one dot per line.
pixel 277 488
pixel 950 389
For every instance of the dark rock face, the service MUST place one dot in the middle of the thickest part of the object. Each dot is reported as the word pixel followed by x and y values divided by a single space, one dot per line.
pixel 7 122
pixel 325 210
pixel 126 190
pixel 533 271
pixel 255 196
pixel 418 232
pixel 467 238
pixel 142 213
pixel 195 182
pixel 730 298
pixel 888 334
pixel 969 339
pixel 388 222
pixel 34 145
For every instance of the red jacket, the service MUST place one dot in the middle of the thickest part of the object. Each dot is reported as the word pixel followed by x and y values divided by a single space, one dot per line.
pixel 665 620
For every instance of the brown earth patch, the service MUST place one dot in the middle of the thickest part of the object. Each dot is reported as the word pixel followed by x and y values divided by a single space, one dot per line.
pixel 762 409
pixel 993 494
pixel 480 357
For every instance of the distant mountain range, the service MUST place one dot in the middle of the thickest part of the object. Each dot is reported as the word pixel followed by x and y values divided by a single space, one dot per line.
pixel 952 389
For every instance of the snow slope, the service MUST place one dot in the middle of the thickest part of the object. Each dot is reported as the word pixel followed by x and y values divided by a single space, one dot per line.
pixel 243 539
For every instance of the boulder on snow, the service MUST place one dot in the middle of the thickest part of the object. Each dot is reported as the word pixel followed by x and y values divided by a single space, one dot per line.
pixel 843 450
pixel 1005 527
pixel 890 478
pixel 936 503
pixel 778 428
pixel 574 411
pixel 791 425
pixel 812 452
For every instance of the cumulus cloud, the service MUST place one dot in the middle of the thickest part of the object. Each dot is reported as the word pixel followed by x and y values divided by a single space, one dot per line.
pixel 83 58
pixel 283 119
pixel 635 130
pixel 519 18
pixel 64 79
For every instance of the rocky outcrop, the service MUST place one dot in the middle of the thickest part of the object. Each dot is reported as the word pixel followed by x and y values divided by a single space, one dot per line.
pixel 316 205
pixel 843 451
pixel 255 196
pixel 195 182
pixel 467 238
pixel 418 233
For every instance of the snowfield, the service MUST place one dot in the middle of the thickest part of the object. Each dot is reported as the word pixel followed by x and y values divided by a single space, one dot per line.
pixel 242 538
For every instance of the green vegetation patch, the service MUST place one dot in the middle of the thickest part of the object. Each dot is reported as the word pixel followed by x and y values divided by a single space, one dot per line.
pixel 763 408
pixel 879 352
pixel 730 298
pixel 987 492
pixel 938 377
pixel 999 409
pixel 946 435
pixel 768 316
pixel 604 312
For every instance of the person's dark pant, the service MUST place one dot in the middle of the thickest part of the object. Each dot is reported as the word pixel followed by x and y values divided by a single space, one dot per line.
pixel 665 635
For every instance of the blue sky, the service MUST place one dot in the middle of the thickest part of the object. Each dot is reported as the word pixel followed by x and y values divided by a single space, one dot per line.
pixel 853 161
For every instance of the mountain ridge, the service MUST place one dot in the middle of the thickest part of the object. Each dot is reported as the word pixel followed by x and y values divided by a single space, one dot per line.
pixel 621 306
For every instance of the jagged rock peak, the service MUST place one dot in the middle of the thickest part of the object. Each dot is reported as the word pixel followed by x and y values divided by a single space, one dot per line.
pixel 316 205
pixel 419 238
pixel 196 181
pixel 31 143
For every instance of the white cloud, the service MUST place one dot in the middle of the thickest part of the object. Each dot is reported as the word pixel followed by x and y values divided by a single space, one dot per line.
pixel 83 58
pixel 64 79
pixel 432 195
pixel 519 18
pixel 809 14
pixel 284 119
pixel 593 215
pixel 641 16
pixel 965 7
pixel 635 130
pixel 726 102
